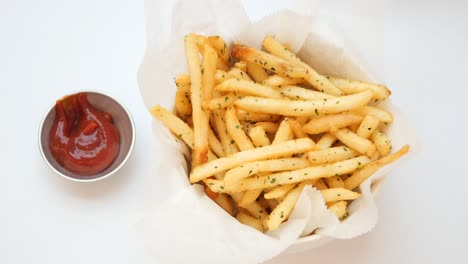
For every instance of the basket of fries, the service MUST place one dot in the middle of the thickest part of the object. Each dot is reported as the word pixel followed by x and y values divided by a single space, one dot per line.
pixel 264 147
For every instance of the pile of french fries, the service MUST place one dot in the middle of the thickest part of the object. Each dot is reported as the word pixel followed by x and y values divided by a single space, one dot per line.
pixel 262 125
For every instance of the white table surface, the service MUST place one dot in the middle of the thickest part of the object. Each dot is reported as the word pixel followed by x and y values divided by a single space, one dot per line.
pixel 49 48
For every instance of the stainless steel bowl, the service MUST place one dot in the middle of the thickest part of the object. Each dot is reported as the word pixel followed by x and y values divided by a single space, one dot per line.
pixel 122 120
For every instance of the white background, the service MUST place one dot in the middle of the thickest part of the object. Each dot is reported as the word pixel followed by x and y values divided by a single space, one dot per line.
pixel 51 47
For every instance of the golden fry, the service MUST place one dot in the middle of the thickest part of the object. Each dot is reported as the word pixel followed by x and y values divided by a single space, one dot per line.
pixel 268 61
pixel 304 108
pixel 259 137
pixel 286 148
pixel 380 91
pixel 368 125
pixel 252 168
pixel 200 117
pixel 247 87
pixel 382 142
pixel 354 141
pixel 325 123
pixel 236 131
pixel 338 194
pixel 295 176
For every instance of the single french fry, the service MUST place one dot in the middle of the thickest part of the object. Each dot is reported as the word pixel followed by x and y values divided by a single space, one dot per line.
pixel 223 201
pixel 229 145
pixel 320 185
pixel 334 182
pixel 236 131
pixel 250 221
pixel 210 59
pixel 360 176
pixel 383 115
pixel 380 91
pixel 304 108
pixel 256 72
pixel 200 117
pixel 183 105
pixel 295 176
pixel 325 123
pixel 339 209
pixel 299 93
pixel 282 211
pixel 320 82
pixel 382 142
pixel 220 76
pixel 175 124
pixel 338 194
pixel 354 141
pixel 284 132
pixel 297 129
pixel 259 137
pixel 252 168
pixel 215 144
pixel 286 148
pixel 256 117
pixel 237 73
pixel 330 155
pixel 268 61
pixel 279 191
pixel 249 197
pixel 325 141
pixel 368 125
pixel 278 81
pixel 247 87
pixel 220 102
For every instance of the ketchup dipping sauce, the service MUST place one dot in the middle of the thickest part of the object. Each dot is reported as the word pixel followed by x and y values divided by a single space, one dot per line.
pixel 83 139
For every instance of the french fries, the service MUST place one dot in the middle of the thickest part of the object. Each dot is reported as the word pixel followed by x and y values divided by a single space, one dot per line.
pixel 259 137
pixel 338 194
pixel 354 141
pixel 380 91
pixel 299 93
pixel 320 82
pixel 247 87
pixel 236 130
pixel 286 148
pixel 251 168
pixel 358 177
pixel 252 130
pixel 268 61
pixel 304 108
pixel 200 117
pixel 325 123
pixel 283 209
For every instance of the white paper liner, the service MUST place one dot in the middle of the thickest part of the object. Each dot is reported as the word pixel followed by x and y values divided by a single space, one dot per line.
pixel 184 225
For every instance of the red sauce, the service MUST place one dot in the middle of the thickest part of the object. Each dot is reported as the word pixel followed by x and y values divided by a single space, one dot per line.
pixel 83 139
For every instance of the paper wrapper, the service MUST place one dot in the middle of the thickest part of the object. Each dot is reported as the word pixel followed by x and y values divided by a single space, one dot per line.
pixel 182 224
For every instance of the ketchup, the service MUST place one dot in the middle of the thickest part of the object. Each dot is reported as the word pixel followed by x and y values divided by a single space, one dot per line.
pixel 83 139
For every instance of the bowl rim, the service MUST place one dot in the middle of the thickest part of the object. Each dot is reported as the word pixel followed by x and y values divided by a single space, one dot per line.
pixel 110 173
